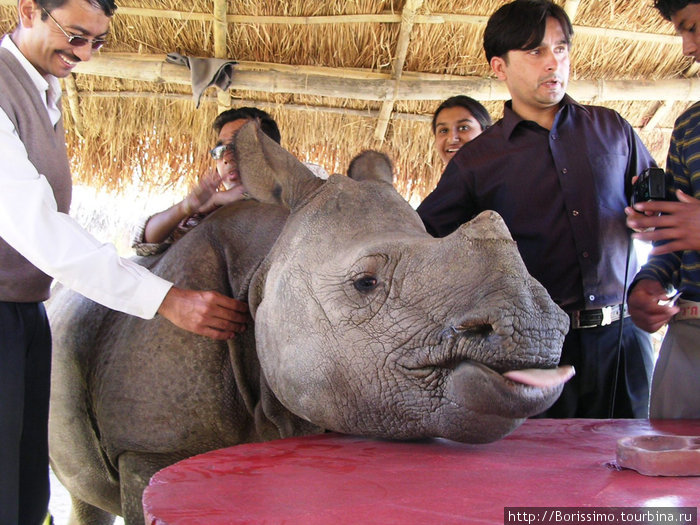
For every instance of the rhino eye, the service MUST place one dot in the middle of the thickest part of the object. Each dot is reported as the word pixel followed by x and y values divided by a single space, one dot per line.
pixel 365 284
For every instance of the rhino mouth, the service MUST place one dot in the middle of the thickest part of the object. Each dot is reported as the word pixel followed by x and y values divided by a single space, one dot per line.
pixel 483 366
pixel 511 394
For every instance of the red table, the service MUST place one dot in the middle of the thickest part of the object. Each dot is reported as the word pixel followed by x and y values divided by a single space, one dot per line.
pixel 336 479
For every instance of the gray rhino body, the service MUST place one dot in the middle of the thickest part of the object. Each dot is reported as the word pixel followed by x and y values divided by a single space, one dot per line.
pixel 363 324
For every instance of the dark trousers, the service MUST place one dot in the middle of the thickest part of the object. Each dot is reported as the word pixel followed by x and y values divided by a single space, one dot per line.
pixel 593 353
pixel 25 374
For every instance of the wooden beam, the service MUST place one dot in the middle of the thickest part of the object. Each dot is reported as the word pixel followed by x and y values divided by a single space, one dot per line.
pixel 74 103
pixel 571 8
pixel 692 70
pixel 239 102
pixel 662 109
pixel 220 51
pixel 367 113
pixel 408 16
pixel 374 18
pixel 301 81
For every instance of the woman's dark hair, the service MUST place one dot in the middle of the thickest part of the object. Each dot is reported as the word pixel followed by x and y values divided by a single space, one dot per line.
pixel 521 25
pixel 267 123
pixel 107 6
pixel 668 8
pixel 479 112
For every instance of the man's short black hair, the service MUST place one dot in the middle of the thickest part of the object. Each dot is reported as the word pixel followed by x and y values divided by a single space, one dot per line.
pixel 521 26
pixel 668 8
pixel 478 111
pixel 267 123
pixel 107 6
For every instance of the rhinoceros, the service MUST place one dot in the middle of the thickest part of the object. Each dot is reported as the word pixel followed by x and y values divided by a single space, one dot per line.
pixel 363 324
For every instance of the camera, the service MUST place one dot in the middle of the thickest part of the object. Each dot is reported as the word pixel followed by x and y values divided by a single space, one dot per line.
pixel 653 184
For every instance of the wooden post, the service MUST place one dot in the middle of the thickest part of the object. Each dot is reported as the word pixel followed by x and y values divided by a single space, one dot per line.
pixel 408 16
pixel 74 103
pixel 220 50
pixel 571 8
pixel 662 109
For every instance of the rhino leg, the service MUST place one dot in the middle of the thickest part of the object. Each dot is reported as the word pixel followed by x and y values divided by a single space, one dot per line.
pixel 82 513
pixel 135 471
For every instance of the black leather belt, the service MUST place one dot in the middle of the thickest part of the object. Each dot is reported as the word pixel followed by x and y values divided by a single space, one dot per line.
pixel 599 317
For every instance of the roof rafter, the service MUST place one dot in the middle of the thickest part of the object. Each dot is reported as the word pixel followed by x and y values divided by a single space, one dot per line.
pixel 369 85
pixel 373 18
pixel 571 8
pixel 220 51
pixel 408 16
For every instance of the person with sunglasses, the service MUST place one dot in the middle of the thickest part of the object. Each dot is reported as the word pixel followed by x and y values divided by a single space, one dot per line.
pixel 39 242
pixel 159 231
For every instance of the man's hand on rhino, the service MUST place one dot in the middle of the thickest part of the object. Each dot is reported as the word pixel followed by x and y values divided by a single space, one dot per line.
pixel 207 313
pixel 648 304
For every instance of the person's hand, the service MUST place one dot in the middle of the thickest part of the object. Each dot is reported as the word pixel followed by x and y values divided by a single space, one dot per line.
pixel 221 198
pixel 202 193
pixel 678 223
pixel 645 310
pixel 207 313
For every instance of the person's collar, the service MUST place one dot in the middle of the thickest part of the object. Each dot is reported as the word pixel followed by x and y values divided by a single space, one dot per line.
pixel 41 82
pixel 511 119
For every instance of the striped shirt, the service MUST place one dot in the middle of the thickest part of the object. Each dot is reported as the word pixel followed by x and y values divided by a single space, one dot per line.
pixel 681 269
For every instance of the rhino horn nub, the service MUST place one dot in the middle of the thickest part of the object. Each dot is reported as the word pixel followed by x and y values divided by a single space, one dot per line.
pixel 269 172
pixel 487 225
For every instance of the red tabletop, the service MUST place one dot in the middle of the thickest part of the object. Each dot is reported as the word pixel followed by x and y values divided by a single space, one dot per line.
pixel 337 479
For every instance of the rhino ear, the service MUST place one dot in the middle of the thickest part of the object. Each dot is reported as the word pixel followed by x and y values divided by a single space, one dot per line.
pixel 371 165
pixel 269 172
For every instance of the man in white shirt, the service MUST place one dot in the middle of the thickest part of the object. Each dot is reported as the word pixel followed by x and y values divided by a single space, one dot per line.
pixel 39 241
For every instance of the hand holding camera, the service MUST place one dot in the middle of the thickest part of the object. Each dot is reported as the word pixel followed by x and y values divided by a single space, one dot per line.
pixel 660 213
pixel 653 184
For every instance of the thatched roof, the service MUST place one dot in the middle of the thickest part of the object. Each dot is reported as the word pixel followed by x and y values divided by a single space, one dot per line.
pixel 340 76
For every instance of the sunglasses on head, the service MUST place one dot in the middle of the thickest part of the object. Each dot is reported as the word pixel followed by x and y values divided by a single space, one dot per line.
pixel 77 40
pixel 218 152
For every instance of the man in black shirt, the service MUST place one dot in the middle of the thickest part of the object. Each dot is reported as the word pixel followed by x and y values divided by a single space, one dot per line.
pixel 560 174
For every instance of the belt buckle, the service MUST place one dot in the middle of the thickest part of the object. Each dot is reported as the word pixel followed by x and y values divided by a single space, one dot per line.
pixel 607 315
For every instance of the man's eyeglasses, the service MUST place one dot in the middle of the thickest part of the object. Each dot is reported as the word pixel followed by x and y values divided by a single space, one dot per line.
pixel 77 40
pixel 218 152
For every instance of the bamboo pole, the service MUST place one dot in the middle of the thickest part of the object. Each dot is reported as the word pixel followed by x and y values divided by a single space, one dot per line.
pixel 571 8
pixel 662 109
pixel 374 18
pixel 220 36
pixel 408 16
pixel 74 103
pixel 239 102
pixel 414 87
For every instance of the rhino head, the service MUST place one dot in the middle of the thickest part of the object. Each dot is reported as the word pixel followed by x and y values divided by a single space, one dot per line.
pixel 365 324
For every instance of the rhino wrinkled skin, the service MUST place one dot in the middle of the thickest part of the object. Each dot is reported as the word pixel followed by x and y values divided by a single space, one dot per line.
pixel 363 324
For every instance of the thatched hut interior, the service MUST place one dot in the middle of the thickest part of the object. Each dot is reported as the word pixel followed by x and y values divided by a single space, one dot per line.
pixel 339 76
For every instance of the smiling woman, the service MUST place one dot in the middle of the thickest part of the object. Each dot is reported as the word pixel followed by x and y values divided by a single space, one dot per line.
pixel 456 121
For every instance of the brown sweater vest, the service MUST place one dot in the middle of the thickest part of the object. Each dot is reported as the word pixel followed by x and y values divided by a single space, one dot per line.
pixel 20 280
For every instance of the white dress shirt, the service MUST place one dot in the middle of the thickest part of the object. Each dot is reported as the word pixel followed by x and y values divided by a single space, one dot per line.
pixel 53 241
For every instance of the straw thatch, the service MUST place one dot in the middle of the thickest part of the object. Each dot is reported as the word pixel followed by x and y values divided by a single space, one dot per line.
pixel 340 76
